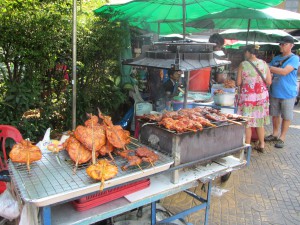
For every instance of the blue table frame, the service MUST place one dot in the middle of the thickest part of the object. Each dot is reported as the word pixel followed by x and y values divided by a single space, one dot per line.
pixel 64 213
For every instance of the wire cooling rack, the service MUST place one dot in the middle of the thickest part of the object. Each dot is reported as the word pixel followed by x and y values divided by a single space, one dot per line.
pixel 52 180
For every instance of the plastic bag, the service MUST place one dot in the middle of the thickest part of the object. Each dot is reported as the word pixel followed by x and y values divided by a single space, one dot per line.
pixel 29 215
pixel 9 207
pixel 45 142
pixel 218 192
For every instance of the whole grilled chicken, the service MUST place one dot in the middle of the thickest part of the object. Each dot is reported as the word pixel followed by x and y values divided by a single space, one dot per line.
pixel 102 171
pixel 25 152
pixel 91 136
pixel 77 152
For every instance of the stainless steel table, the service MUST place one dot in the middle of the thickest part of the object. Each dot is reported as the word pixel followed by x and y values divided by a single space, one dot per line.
pixel 56 208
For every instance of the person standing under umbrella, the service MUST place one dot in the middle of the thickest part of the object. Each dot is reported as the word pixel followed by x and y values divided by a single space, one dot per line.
pixel 283 90
pixel 253 77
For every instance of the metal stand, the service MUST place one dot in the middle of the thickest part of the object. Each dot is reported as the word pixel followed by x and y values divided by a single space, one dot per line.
pixel 205 204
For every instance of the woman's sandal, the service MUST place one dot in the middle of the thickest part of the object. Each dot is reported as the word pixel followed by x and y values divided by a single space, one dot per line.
pixel 259 149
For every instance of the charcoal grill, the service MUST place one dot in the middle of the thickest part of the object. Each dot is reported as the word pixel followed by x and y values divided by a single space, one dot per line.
pixel 200 146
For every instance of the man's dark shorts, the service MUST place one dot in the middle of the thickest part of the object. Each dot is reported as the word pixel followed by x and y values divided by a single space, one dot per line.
pixel 283 107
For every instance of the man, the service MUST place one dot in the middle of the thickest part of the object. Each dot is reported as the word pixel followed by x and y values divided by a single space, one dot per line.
pixel 171 85
pixel 283 90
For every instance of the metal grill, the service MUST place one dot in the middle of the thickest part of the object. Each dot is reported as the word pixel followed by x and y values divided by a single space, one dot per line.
pixel 50 181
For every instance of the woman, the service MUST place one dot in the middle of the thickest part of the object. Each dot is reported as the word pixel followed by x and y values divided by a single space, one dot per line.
pixel 254 96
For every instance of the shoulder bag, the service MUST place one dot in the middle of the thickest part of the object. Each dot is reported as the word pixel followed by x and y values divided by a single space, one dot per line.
pixel 258 71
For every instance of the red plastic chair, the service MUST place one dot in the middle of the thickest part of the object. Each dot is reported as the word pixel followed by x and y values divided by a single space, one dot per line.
pixel 7 131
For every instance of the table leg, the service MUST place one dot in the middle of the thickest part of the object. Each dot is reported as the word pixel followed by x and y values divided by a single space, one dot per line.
pixel 46 215
pixel 153 213
pixel 208 202
pixel 249 150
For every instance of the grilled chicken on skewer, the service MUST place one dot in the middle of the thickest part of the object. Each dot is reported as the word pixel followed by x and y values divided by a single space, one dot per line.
pixel 102 171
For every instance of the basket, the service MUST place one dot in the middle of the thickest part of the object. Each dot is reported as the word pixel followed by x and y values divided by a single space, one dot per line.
pixel 102 197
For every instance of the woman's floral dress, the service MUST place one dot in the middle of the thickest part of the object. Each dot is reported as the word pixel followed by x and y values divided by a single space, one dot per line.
pixel 254 95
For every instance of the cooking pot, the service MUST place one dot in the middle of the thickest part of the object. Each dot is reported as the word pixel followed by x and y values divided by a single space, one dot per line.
pixel 226 99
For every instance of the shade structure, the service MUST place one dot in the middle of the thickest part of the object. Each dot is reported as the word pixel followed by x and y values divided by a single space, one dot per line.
pixel 174 11
pixel 269 18
pixel 255 35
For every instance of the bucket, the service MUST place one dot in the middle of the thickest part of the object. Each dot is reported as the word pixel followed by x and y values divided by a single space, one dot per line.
pixel 199 80
pixel 142 108
pixel 179 105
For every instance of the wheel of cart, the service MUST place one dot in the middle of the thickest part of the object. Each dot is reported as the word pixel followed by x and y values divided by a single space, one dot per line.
pixel 225 177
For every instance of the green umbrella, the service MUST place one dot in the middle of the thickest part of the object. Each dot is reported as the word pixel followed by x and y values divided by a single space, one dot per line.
pixel 255 35
pixel 174 11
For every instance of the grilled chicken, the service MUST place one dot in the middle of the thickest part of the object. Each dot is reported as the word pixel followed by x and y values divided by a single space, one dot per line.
pixel 25 152
pixel 102 171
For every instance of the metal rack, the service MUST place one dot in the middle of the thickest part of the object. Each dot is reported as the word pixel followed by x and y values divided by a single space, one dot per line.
pixel 49 181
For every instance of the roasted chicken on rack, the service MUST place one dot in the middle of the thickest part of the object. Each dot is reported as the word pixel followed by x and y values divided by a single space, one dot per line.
pixel 102 171
pixel 147 155
pixel 91 136
pixel 25 152
pixel 115 134
pixel 107 149
pixel 133 160
pixel 77 151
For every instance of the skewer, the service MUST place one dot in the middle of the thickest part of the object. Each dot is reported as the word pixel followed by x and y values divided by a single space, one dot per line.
pixel 191 129
pixel 232 121
pixel 140 168
pixel 247 117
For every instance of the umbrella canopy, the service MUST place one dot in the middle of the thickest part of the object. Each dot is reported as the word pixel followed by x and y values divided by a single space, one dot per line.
pixel 264 46
pixel 174 11
pixel 270 18
pixel 255 35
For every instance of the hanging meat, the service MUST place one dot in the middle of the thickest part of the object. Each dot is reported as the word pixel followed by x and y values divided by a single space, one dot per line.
pixel 102 171
pixel 77 151
pixel 25 152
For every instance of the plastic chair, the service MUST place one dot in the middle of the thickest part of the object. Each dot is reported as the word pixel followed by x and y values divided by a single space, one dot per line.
pixel 7 131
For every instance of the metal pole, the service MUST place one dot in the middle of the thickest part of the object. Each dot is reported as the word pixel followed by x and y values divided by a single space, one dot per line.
pixel 183 18
pixel 249 21
pixel 74 59
pixel 187 79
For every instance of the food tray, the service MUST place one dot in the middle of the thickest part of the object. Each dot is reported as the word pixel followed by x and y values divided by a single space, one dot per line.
pixel 102 197
pixel 49 181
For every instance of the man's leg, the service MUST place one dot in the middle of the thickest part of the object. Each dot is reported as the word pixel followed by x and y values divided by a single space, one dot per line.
pixel 276 125
pixel 284 128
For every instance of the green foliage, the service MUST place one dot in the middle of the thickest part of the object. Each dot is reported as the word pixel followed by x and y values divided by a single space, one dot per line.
pixel 35 36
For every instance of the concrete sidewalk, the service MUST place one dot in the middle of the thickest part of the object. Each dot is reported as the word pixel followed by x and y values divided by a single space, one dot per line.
pixel 266 192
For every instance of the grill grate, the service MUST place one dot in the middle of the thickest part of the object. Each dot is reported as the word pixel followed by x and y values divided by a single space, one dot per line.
pixel 49 178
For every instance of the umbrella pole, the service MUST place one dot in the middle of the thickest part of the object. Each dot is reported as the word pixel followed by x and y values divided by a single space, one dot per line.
pixel 184 18
pixel 74 64
pixel 158 29
pixel 248 29
pixel 187 79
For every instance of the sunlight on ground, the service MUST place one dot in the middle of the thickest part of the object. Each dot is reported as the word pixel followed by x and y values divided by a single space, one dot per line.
pixel 296 111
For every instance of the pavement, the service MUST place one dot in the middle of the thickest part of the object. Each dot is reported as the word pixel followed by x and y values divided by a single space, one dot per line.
pixel 267 192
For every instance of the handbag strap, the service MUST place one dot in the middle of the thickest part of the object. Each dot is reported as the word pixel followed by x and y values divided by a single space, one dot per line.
pixel 283 61
pixel 258 71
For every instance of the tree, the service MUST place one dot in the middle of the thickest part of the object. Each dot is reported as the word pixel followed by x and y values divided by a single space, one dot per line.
pixel 35 36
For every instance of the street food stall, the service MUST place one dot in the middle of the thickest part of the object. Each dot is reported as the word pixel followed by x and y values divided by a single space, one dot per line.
pixel 174 151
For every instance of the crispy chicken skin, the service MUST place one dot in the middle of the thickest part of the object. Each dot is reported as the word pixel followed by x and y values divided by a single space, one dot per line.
pixel 91 135
pixel 76 149
pixel 102 171
pixel 25 152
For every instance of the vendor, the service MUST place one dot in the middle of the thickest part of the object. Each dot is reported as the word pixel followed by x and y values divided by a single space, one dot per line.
pixel 218 75
pixel 172 84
